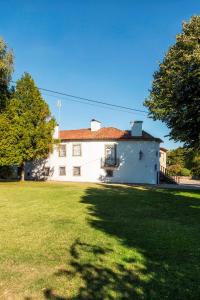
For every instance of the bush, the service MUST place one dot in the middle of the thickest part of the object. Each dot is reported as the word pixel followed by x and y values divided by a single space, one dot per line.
pixel 6 172
pixel 185 172
pixel 174 169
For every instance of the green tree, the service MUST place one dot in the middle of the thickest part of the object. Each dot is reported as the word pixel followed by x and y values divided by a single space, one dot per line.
pixel 8 141
pixel 183 161
pixel 175 93
pixel 6 69
pixel 29 134
pixel 177 157
pixel 194 163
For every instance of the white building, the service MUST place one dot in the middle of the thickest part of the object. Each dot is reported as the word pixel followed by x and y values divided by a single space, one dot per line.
pixel 99 154
pixel 163 159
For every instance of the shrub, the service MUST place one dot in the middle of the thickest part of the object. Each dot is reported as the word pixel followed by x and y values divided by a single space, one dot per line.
pixel 184 172
pixel 174 169
pixel 6 172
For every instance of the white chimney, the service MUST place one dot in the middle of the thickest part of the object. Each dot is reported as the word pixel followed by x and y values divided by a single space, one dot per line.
pixel 56 132
pixel 136 129
pixel 95 125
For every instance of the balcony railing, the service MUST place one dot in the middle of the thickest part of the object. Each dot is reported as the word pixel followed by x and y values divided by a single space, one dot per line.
pixel 109 162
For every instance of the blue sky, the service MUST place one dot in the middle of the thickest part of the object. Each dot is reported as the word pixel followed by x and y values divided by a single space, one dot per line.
pixel 99 49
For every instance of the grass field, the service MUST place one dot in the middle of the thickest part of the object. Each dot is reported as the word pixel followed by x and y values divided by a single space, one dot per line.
pixel 87 241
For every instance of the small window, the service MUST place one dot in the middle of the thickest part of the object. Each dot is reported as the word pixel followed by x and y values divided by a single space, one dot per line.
pixel 46 171
pixel 62 150
pixel 109 173
pixel 76 171
pixel 156 153
pixel 62 171
pixel 76 150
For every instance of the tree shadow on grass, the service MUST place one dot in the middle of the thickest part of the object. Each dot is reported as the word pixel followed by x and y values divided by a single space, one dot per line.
pixel 161 225
pixel 100 281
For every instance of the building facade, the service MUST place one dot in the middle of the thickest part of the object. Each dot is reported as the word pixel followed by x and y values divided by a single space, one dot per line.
pixel 99 154
pixel 163 159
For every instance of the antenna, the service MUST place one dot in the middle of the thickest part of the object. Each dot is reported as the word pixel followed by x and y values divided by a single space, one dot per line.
pixel 59 104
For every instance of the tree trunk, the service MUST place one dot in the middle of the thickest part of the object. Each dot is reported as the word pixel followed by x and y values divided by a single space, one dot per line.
pixel 23 171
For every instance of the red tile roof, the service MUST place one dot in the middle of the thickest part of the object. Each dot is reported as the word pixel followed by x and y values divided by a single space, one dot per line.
pixel 105 133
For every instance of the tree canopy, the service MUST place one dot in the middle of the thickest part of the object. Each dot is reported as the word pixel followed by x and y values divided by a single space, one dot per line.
pixel 27 126
pixel 6 69
pixel 175 94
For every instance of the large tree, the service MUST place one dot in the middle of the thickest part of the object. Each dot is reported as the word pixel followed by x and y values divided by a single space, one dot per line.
pixel 29 134
pixel 175 93
pixel 6 69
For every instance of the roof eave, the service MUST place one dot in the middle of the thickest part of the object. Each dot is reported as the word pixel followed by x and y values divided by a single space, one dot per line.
pixel 114 139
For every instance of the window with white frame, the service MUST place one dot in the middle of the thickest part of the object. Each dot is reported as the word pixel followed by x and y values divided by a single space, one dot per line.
pixel 62 150
pixel 76 149
pixel 62 171
pixel 76 171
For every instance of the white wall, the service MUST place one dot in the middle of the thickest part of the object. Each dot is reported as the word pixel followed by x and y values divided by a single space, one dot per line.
pixel 130 170
pixel 163 160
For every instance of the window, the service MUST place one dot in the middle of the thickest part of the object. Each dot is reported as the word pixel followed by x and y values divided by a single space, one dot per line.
pixel 110 151
pixel 76 150
pixel 62 171
pixel 62 150
pixel 76 171
pixel 110 154
pixel 109 173
pixel 46 171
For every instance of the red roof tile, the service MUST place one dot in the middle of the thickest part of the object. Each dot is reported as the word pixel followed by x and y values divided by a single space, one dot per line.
pixel 105 133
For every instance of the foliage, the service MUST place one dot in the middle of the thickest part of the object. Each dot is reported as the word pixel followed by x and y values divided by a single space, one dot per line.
pixel 174 169
pixel 26 126
pixel 185 172
pixel 183 161
pixel 175 93
pixel 178 170
pixel 9 153
pixel 6 69
pixel 103 242
pixel 6 172
pixel 196 165
pixel 177 156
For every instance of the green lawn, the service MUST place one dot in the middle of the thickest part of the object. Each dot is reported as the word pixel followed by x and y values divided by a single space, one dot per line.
pixel 87 241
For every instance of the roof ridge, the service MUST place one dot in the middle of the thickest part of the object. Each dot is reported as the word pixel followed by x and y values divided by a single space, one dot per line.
pixel 74 129
pixel 111 127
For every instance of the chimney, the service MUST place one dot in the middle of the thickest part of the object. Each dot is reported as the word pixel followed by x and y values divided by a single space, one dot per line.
pixel 56 132
pixel 136 129
pixel 95 125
